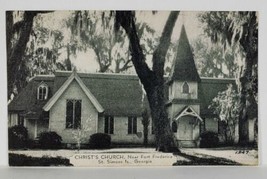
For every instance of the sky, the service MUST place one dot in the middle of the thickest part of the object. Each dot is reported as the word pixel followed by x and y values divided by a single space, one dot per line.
pixel 86 62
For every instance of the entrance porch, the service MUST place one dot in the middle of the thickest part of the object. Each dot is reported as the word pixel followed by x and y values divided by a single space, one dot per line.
pixel 186 128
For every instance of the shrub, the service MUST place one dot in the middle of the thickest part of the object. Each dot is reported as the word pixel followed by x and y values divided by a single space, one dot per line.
pixel 33 144
pixel 17 137
pixel 50 140
pixel 209 139
pixel 100 141
pixel 23 160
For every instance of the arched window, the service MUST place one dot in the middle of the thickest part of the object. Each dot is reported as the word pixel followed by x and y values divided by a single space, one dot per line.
pixel 185 88
pixel 174 127
pixel 42 92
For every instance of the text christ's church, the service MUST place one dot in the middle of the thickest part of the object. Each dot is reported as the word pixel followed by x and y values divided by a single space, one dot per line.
pixel 113 104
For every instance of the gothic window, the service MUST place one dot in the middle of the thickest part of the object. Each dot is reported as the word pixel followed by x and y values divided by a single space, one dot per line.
pixel 20 120
pixel 42 92
pixel 109 124
pixel 185 88
pixel 73 113
pixel 132 125
pixel 174 127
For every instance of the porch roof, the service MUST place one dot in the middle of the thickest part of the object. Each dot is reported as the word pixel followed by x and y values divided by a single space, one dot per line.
pixel 187 111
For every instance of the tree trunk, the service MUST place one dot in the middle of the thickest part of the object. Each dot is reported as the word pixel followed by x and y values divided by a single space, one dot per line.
pixel 164 136
pixel 15 59
pixel 248 105
pixel 145 122
pixel 152 81
pixel 9 29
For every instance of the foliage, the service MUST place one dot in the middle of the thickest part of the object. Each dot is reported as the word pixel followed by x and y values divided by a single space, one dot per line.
pixel 226 106
pixel 209 140
pixel 80 134
pixel 23 160
pixel 230 28
pixel 17 38
pixel 31 48
pixel 239 30
pixel 17 137
pixel 33 144
pixel 212 61
pixel 95 30
pixel 50 140
pixel 42 53
pixel 100 141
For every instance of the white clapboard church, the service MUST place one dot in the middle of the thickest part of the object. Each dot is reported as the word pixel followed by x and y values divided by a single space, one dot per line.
pixel 113 104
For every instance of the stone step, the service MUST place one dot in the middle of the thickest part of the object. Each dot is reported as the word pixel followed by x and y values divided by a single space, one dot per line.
pixel 187 143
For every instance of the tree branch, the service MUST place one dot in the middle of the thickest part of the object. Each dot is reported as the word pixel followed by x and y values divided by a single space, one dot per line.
pixel 125 66
pixel 164 43
pixel 126 20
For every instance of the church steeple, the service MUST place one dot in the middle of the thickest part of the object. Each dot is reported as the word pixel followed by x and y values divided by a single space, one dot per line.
pixel 183 67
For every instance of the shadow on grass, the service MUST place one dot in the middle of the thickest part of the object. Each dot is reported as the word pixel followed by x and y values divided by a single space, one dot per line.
pixel 194 160
pixel 23 160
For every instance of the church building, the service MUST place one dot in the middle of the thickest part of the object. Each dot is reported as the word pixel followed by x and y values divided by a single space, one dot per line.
pixel 113 103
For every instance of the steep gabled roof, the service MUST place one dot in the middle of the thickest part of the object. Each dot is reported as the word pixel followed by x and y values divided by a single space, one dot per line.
pixel 26 100
pixel 118 94
pixel 62 89
pixel 183 67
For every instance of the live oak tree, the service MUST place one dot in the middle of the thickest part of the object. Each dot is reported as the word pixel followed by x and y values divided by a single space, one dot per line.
pixel 95 30
pixel 31 48
pixel 213 61
pixel 43 50
pixel 239 30
pixel 152 79
pixel 16 51
pixel 226 106
pixel 17 37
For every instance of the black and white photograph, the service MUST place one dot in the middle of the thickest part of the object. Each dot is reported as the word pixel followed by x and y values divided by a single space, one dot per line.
pixel 122 88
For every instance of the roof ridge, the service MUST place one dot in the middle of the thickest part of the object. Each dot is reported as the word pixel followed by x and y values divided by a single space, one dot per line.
pixel 99 75
pixel 96 73
pixel 41 76
pixel 204 77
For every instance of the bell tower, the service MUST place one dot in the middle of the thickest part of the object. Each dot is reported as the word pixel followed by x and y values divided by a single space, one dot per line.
pixel 183 105
pixel 184 78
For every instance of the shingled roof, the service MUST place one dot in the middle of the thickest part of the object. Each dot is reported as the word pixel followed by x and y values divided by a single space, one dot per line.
pixel 184 67
pixel 119 94
pixel 26 101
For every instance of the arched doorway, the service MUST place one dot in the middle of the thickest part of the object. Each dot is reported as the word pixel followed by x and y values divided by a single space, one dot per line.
pixel 188 127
